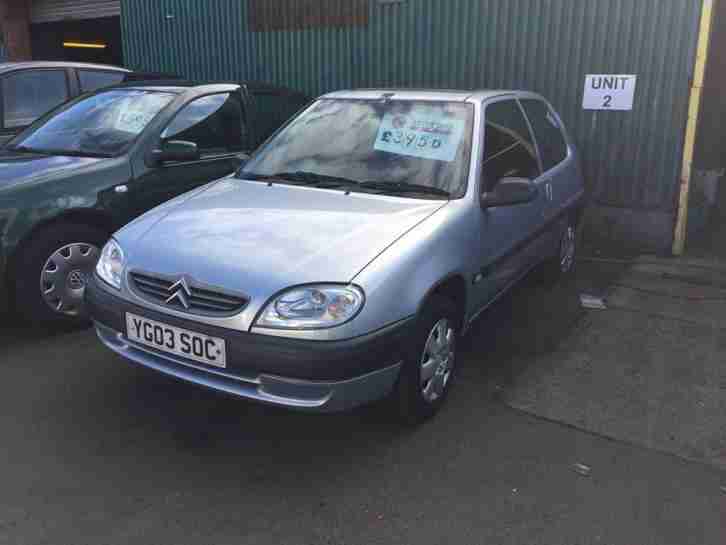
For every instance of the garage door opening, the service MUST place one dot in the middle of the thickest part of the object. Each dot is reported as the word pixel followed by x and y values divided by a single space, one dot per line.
pixel 88 40
pixel 76 30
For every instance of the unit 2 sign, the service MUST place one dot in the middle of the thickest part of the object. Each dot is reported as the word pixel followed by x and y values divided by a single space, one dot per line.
pixel 604 92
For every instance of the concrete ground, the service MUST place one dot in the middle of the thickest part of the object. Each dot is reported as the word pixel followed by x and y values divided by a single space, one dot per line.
pixel 95 451
pixel 651 369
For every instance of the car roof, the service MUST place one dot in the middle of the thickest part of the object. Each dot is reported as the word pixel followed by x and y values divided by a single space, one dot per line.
pixel 443 95
pixel 180 86
pixel 8 66
pixel 174 86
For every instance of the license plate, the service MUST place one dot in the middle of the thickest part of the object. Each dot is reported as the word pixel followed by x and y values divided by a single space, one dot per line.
pixel 177 341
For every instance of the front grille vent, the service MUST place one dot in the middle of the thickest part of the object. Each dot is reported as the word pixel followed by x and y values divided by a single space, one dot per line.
pixel 183 294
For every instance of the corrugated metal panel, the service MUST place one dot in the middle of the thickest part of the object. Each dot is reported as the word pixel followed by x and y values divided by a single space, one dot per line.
pixel 46 11
pixel 632 159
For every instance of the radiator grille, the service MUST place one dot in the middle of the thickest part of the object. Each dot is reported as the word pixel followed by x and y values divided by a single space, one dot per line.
pixel 186 295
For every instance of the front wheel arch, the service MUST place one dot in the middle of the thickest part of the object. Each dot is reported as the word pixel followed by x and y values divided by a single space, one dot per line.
pixel 409 396
pixel 51 274
pixel 452 287
pixel 91 218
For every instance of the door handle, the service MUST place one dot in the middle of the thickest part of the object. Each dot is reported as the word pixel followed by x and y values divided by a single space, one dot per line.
pixel 121 189
pixel 548 191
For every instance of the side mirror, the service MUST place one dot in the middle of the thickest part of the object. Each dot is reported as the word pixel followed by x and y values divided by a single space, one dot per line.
pixel 510 192
pixel 176 151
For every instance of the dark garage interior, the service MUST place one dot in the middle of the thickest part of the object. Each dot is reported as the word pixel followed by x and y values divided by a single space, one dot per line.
pixel 87 40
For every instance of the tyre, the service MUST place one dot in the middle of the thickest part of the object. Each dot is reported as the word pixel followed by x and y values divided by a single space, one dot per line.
pixel 563 264
pixel 51 272
pixel 428 371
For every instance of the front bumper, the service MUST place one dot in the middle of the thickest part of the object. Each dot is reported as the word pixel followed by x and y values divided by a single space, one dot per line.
pixel 317 376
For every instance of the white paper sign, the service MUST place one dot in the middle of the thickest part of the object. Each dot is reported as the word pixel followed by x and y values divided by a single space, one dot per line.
pixel 136 111
pixel 133 121
pixel 609 92
pixel 432 137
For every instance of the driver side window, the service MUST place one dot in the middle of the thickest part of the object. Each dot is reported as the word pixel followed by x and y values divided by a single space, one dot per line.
pixel 214 123
pixel 509 150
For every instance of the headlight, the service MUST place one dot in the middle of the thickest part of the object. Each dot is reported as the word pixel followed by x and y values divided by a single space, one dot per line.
pixel 111 264
pixel 312 307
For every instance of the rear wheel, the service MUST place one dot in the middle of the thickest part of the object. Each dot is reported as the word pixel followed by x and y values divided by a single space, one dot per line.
pixel 428 372
pixel 51 274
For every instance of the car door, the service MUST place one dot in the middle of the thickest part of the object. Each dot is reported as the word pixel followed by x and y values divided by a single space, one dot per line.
pixel 28 94
pixel 215 123
pixel 507 232
pixel 558 162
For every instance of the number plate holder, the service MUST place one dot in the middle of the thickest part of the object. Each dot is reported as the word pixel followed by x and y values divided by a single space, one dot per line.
pixel 180 342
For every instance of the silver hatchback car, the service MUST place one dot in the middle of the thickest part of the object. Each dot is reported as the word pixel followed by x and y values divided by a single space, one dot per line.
pixel 342 262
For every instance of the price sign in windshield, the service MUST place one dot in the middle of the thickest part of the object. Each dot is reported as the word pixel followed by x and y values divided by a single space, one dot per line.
pixel 428 137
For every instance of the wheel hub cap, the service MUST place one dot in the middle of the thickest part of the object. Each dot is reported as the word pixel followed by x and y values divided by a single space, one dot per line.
pixel 63 278
pixel 76 280
pixel 437 362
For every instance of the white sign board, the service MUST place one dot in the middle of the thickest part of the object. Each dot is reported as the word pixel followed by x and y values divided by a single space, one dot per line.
pixel 434 137
pixel 609 92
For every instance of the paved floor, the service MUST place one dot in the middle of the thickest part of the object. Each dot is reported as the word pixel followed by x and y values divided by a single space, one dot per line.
pixel 651 369
pixel 97 452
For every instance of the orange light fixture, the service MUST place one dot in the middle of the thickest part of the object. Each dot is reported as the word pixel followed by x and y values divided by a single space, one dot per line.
pixel 84 45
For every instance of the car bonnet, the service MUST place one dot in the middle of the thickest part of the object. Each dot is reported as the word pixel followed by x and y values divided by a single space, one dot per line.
pixel 257 239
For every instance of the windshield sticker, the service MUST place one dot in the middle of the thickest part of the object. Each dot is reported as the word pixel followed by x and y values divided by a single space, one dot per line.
pixel 134 115
pixel 133 121
pixel 434 137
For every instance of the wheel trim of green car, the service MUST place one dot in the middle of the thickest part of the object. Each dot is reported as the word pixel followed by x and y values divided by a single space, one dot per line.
pixel 61 195
pixel 63 278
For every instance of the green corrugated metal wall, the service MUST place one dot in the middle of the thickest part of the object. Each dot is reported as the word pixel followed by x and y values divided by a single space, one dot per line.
pixel 632 159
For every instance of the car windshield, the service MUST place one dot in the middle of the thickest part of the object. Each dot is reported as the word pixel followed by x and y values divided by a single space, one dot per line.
pixel 104 124
pixel 386 146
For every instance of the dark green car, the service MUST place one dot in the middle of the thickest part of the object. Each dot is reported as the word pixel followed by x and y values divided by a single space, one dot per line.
pixel 92 165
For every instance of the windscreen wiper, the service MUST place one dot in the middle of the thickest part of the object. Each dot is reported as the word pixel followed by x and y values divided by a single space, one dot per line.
pixel 80 153
pixel 21 149
pixel 404 187
pixel 302 178
pixel 333 182
pixel 69 153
